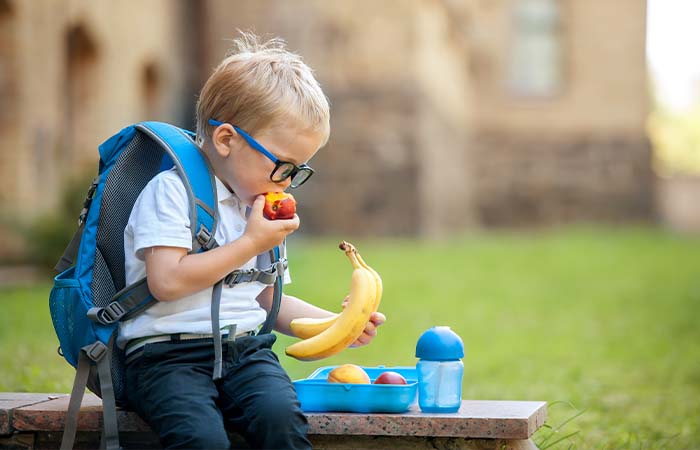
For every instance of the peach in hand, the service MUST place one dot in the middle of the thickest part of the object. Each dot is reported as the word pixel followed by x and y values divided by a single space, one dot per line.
pixel 279 205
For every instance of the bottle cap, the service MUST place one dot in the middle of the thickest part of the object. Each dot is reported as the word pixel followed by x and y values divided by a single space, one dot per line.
pixel 439 344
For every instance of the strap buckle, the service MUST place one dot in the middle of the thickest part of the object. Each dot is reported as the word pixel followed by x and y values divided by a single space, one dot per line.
pixel 280 266
pixel 205 239
pixel 239 276
pixel 107 315
pixel 264 276
pixel 95 351
pixel 88 201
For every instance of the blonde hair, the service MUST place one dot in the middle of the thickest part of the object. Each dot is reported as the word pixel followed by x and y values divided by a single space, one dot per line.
pixel 260 85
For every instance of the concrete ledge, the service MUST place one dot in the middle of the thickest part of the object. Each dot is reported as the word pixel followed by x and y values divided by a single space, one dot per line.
pixel 40 418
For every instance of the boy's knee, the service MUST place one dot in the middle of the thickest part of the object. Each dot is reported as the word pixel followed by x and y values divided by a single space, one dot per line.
pixel 196 438
pixel 279 414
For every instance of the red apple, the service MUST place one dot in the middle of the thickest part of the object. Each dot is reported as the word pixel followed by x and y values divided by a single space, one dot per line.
pixel 279 205
pixel 390 377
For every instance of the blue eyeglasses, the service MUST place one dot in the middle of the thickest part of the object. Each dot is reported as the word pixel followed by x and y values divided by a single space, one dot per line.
pixel 283 169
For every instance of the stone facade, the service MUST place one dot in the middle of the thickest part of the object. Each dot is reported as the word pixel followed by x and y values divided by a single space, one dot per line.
pixel 445 113
pixel 429 136
pixel 73 73
pixel 400 101
pixel 543 180
pixel 579 152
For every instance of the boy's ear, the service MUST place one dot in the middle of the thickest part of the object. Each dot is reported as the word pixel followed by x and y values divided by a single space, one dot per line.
pixel 223 139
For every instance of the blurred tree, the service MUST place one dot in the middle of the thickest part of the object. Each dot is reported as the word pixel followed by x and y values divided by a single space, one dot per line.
pixel 46 237
pixel 676 139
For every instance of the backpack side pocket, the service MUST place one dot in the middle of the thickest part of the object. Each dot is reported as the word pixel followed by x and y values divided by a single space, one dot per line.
pixel 69 316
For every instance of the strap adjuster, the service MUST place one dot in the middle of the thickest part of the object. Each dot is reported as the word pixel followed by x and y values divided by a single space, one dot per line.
pixel 239 276
pixel 280 266
pixel 88 201
pixel 95 351
pixel 205 239
pixel 264 276
pixel 111 313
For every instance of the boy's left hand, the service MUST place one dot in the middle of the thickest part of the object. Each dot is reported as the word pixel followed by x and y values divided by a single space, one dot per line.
pixel 375 319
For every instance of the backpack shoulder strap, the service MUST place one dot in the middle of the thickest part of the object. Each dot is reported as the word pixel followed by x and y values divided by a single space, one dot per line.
pixel 197 176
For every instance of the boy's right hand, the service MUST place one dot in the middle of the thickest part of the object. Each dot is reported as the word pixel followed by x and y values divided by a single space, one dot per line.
pixel 266 234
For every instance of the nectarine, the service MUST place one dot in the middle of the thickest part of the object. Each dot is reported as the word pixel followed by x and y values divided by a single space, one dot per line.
pixel 279 205
pixel 390 377
pixel 348 373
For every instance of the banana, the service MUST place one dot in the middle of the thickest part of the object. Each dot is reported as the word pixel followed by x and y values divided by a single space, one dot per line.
pixel 307 327
pixel 347 326
pixel 377 278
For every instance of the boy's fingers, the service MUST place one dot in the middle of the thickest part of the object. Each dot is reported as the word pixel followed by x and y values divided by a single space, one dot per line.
pixel 258 205
pixel 377 318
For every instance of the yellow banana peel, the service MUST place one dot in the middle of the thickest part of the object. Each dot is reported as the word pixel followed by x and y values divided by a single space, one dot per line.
pixel 328 336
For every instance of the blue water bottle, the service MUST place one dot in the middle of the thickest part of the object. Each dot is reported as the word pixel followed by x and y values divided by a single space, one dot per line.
pixel 440 370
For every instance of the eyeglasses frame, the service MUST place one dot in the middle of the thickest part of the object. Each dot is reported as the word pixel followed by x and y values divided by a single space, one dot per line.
pixel 278 162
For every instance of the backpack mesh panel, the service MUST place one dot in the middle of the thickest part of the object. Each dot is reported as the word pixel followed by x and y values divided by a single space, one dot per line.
pixel 100 276
pixel 138 163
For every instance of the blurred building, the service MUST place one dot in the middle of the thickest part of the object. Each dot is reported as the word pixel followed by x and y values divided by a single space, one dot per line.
pixel 445 113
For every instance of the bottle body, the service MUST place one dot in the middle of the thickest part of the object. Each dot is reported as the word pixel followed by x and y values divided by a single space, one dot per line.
pixel 440 385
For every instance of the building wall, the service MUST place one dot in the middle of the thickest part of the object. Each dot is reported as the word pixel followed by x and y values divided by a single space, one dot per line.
pixel 580 153
pixel 72 74
pixel 604 86
pixel 428 135
pixel 399 94
pixel 78 72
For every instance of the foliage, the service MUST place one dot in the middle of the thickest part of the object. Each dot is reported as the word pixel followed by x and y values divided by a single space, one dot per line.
pixel 47 236
pixel 676 140
pixel 600 323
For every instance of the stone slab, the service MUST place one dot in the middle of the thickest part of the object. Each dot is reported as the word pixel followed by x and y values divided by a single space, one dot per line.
pixel 51 416
pixel 138 441
pixel 416 443
pixel 475 419
pixel 9 401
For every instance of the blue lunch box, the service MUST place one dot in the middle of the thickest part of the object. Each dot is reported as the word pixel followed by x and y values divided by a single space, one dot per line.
pixel 317 395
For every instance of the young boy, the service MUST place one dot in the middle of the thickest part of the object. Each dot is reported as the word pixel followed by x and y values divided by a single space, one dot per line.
pixel 260 96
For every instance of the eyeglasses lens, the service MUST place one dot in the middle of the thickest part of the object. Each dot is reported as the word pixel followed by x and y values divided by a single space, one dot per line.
pixel 301 177
pixel 282 172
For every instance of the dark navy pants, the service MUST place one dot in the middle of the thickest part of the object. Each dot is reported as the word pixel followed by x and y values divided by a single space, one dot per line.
pixel 170 386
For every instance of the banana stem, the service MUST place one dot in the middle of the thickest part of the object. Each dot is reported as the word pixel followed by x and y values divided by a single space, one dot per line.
pixel 351 253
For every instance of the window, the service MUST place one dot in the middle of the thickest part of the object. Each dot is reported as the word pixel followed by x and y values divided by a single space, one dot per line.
pixel 535 66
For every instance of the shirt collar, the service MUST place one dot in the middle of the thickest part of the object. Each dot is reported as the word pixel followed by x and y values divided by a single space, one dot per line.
pixel 222 192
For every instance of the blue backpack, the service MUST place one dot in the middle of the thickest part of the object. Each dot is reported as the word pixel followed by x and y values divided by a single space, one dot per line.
pixel 90 296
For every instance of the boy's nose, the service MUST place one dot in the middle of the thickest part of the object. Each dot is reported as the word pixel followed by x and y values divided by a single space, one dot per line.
pixel 284 184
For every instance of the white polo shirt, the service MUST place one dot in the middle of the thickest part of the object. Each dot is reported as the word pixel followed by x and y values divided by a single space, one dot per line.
pixel 160 217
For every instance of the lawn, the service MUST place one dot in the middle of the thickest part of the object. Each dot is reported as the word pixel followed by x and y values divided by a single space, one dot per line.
pixel 599 322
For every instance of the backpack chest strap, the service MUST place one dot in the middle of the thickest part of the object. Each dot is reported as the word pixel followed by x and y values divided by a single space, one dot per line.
pixel 266 276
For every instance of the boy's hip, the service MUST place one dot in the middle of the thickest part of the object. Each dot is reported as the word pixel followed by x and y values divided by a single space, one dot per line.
pixel 197 345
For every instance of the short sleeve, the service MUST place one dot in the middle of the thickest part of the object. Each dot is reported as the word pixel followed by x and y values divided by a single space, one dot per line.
pixel 160 216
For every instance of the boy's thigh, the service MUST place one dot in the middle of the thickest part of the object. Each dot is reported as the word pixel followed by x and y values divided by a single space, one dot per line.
pixel 177 399
pixel 257 389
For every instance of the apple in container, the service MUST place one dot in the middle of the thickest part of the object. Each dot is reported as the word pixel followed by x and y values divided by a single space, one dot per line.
pixel 390 377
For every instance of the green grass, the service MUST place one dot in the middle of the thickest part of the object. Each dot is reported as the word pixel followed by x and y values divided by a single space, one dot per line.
pixel 597 322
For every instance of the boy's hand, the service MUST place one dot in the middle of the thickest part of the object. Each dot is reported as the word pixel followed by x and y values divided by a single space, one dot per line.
pixel 266 234
pixel 375 319
pixel 370 331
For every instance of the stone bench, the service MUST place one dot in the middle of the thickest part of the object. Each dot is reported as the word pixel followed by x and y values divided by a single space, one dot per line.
pixel 35 421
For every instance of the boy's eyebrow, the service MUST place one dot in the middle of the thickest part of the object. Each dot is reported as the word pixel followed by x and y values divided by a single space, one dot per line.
pixel 281 156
